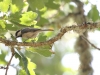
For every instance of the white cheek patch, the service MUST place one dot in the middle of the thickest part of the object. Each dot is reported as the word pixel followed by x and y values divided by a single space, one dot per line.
pixel 19 33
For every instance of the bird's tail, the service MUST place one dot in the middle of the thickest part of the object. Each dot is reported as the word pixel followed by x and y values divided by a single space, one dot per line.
pixel 47 30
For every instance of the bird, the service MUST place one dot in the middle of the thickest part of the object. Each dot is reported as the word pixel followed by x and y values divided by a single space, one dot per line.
pixel 29 33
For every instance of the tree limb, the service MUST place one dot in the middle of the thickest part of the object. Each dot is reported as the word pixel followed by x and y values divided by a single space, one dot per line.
pixel 79 28
pixel 12 49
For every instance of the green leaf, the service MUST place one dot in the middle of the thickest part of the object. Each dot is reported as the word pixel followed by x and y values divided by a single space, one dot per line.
pixel 1 0
pixel 42 21
pixel 41 38
pixel 2 58
pixel 44 50
pixel 17 5
pixel 2 31
pixel 67 1
pixel 22 72
pixel 15 17
pixel 36 4
pixel 11 27
pixel 93 13
pixel 4 5
pixel 7 1
pixel 28 66
pixel 17 55
pixel 52 5
pixel 2 23
pixel 14 8
pixel 28 18
pixel 23 59
pixel 25 62
pixel 31 66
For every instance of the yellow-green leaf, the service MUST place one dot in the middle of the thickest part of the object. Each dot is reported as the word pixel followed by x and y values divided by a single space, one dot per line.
pixel 14 8
pixel 31 66
pixel 22 72
pixel 28 18
pixel 4 5
pixel 2 23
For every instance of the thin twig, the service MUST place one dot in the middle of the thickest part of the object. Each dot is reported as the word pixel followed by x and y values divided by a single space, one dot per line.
pixel 12 49
pixel 89 42
pixel 2 67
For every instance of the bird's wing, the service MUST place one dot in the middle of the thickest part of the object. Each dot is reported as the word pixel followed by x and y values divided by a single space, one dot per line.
pixel 25 30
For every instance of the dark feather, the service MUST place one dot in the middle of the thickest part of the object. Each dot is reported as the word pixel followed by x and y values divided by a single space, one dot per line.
pixel 25 30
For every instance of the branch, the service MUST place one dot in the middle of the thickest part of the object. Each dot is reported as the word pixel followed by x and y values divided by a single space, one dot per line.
pixel 79 28
pixel 84 38
pixel 12 49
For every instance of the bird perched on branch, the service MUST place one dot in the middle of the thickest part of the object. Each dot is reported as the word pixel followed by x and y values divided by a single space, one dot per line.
pixel 29 32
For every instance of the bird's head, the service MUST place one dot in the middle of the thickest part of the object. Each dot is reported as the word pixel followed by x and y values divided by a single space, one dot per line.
pixel 18 34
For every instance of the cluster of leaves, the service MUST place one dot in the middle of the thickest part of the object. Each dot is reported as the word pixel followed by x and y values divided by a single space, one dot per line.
pixel 17 14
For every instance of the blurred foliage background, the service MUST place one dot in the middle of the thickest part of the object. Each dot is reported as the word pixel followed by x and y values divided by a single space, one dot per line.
pixel 53 14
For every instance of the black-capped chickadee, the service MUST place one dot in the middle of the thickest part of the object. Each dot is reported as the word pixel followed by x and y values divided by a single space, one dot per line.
pixel 29 32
